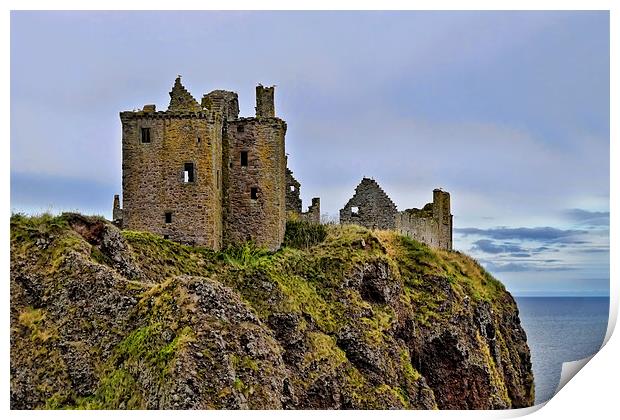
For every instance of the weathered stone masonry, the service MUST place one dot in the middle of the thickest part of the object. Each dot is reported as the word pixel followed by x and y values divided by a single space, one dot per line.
pixel 197 173
pixel 293 202
pixel 432 224
pixel 371 207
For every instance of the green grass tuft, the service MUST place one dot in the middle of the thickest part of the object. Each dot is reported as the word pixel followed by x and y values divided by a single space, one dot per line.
pixel 302 234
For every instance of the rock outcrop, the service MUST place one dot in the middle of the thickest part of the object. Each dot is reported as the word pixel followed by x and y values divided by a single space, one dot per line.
pixel 365 319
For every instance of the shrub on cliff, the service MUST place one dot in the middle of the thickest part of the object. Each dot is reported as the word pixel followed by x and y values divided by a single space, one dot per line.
pixel 302 234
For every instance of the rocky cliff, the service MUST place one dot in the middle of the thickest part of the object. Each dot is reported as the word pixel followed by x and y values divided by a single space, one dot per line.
pixel 362 319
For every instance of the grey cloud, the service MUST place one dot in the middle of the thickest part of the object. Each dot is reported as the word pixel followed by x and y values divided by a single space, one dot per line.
pixel 508 267
pixel 540 234
pixel 520 255
pixel 594 250
pixel 589 218
pixel 490 247
pixel 521 267
pixel 543 249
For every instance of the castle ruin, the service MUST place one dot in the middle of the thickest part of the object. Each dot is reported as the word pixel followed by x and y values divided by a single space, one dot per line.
pixel 371 207
pixel 198 173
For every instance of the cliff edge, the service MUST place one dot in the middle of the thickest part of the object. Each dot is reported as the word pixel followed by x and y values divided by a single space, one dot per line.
pixel 353 319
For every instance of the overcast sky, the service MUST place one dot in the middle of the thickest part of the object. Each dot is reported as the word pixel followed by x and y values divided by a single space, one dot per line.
pixel 508 111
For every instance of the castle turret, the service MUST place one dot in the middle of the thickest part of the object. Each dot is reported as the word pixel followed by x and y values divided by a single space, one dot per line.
pixel 254 171
pixel 265 107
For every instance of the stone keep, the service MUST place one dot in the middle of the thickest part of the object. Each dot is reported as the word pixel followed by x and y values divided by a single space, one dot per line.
pixel 198 174
pixel 371 207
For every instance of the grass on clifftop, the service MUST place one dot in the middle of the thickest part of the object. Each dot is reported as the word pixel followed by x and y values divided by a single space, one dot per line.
pixel 314 259
pixel 307 275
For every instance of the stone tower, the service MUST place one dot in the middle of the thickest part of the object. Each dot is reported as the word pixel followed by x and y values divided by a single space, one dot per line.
pixel 255 176
pixel 197 173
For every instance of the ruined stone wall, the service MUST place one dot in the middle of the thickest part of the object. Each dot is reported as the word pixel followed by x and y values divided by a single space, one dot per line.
pixel 261 219
pixel 313 215
pixel 370 207
pixel 422 229
pixel 431 225
pixel 293 200
pixel 153 173
pixel 224 102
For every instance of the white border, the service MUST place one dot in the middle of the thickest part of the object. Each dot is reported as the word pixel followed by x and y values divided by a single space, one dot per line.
pixel 592 395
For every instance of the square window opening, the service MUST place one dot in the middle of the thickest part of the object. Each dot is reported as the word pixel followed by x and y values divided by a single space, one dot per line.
pixel 168 217
pixel 244 159
pixel 188 172
pixel 145 134
pixel 355 211
pixel 254 193
pixel 292 188
pixel 166 236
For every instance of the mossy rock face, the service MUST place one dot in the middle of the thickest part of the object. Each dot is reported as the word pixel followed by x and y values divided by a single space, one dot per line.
pixel 348 318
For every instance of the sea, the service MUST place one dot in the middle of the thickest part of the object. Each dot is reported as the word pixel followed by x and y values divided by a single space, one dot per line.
pixel 560 329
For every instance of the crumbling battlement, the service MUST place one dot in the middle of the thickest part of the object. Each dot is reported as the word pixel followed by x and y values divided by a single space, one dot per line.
pixel 293 201
pixel 371 207
pixel 197 173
